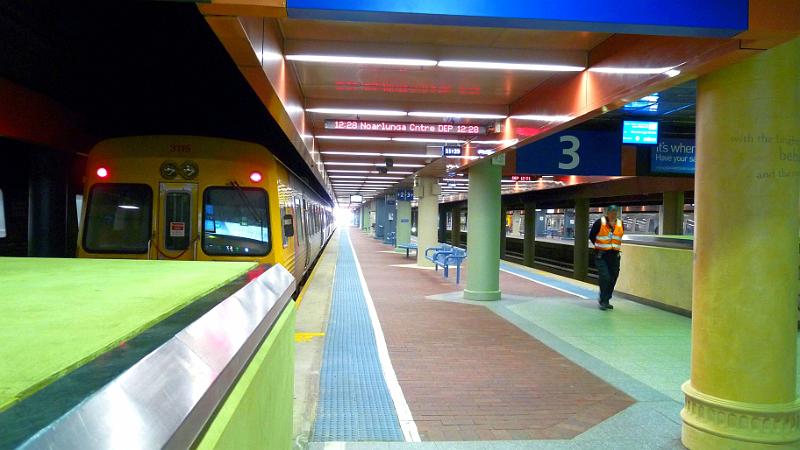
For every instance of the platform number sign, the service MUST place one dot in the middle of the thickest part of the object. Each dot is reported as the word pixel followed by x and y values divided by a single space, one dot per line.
pixel 572 153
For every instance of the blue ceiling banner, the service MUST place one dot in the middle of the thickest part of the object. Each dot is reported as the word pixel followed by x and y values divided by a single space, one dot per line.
pixel 573 153
pixel 708 18
pixel 673 156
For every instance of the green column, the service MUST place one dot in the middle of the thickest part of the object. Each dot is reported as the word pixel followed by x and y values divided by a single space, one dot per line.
pixel 403 223
pixel 580 264
pixel 427 192
pixel 742 392
pixel 502 231
pixel 363 212
pixel 529 250
pixel 483 242
pixel 671 213
pixel 455 233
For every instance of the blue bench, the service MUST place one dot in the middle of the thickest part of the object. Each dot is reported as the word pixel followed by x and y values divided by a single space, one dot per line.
pixel 446 256
pixel 410 246
pixel 390 238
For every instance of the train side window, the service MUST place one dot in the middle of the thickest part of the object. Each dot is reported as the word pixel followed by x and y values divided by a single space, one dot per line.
pixel 2 216
pixel 236 222
pixel 118 218
pixel 177 220
pixel 286 232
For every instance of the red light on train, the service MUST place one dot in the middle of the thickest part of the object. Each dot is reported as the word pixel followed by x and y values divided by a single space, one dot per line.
pixel 102 172
pixel 255 177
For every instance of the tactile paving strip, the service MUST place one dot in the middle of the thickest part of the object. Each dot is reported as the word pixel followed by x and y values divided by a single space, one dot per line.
pixel 354 402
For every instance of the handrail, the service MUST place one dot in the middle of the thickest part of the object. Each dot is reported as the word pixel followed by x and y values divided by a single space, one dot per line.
pixel 168 398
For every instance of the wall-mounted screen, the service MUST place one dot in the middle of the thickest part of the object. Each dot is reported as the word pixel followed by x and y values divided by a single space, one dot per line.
pixel 356 198
pixel 637 132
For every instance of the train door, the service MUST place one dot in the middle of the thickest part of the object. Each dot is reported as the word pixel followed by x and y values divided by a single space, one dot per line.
pixel 301 246
pixel 176 227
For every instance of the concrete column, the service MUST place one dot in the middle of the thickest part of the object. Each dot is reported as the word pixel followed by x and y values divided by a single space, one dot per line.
pixel 427 192
pixel 580 255
pixel 503 237
pixel 455 233
pixel 403 222
pixel 742 392
pixel 483 243
pixel 529 250
pixel 671 216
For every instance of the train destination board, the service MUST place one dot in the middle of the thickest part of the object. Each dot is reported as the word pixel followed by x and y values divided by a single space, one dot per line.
pixel 404 127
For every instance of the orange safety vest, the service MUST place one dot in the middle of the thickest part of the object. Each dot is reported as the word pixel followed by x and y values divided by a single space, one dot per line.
pixel 608 239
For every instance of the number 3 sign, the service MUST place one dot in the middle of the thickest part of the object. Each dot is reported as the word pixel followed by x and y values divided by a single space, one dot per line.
pixel 572 153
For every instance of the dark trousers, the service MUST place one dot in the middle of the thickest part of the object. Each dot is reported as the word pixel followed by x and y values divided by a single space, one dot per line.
pixel 608 269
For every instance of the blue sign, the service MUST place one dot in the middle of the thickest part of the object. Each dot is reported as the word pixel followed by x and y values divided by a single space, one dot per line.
pixel 709 18
pixel 572 153
pixel 405 195
pixel 634 132
pixel 452 150
pixel 673 156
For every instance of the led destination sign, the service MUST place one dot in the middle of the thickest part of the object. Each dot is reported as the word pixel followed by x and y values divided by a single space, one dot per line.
pixel 404 127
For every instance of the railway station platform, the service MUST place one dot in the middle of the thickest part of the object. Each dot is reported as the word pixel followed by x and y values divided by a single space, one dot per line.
pixel 402 361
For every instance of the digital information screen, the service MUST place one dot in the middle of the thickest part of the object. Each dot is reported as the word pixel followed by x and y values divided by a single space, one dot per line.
pixel 403 127
pixel 635 132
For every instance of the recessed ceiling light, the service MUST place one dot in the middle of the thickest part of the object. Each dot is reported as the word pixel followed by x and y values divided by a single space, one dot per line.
pixel 355 138
pixel 455 114
pixel 510 66
pixel 360 112
pixel 542 117
pixel 362 60
pixel 454 141
pixel 633 70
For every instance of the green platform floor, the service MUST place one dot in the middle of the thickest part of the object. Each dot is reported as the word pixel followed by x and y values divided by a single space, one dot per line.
pixel 643 351
pixel 57 314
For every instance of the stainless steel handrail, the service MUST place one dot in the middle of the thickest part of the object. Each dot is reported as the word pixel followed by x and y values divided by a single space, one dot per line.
pixel 167 399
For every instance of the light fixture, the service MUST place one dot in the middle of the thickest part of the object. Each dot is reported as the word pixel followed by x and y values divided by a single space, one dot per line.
pixel 127 207
pixel 456 115
pixel 256 177
pixel 454 141
pixel 362 60
pixel 102 172
pixel 635 70
pixel 358 112
pixel 542 117
pixel 672 73
pixel 510 66
pixel 355 138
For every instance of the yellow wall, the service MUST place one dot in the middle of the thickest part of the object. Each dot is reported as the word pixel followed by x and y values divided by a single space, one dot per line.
pixel 660 274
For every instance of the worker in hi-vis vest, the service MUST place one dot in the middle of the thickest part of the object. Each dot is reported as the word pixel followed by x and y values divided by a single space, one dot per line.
pixel 606 235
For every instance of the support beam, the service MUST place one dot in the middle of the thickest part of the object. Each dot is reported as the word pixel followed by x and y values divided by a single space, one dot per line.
pixel 742 392
pixel 427 192
pixel 529 244
pixel 580 254
pixel 671 222
pixel 483 243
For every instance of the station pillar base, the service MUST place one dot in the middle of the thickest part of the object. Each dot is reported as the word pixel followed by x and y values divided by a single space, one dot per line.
pixel 482 295
pixel 715 423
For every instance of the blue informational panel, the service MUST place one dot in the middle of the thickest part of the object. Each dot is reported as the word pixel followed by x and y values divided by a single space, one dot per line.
pixel 637 132
pixel 573 153
pixel 673 156
pixel 405 195
pixel 707 18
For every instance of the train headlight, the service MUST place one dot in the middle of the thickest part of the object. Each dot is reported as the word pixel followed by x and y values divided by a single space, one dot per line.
pixel 189 169
pixel 256 177
pixel 102 172
pixel 168 170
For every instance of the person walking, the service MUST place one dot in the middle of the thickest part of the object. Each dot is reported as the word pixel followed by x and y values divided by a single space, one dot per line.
pixel 606 235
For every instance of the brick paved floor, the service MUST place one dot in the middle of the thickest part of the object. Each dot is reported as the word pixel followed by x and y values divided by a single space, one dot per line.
pixel 467 374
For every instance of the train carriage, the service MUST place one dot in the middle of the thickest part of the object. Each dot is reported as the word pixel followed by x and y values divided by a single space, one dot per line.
pixel 199 198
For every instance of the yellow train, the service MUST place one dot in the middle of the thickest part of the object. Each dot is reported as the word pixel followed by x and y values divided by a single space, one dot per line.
pixel 198 198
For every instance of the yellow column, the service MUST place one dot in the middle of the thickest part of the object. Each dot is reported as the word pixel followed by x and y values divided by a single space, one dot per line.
pixel 742 392
pixel 427 192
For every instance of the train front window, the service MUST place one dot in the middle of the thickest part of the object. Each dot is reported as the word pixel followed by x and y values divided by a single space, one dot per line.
pixel 118 218
pixel 236 222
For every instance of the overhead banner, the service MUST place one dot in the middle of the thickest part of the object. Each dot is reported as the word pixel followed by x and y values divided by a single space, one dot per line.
pixel 708 18
pixel 676 156
pixel 572 153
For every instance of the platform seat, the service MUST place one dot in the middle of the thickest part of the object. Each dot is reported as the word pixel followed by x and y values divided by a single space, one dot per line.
pixel 408 247
pixel 446 256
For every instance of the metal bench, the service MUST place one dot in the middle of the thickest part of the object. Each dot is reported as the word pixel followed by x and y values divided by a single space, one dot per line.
pixel 408 247
pixel 446 256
